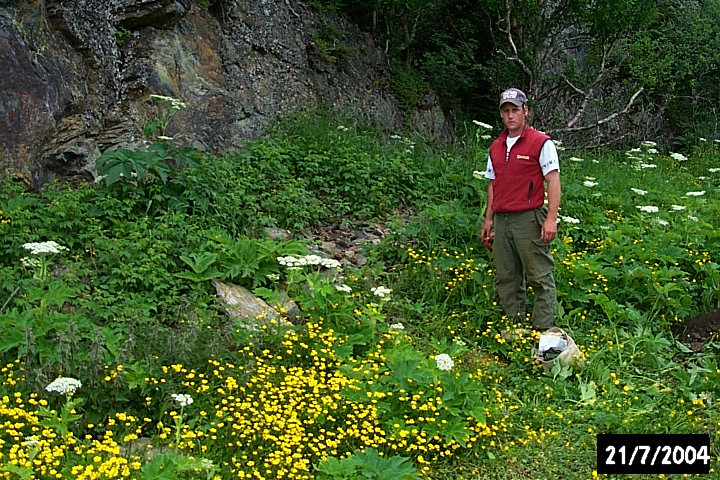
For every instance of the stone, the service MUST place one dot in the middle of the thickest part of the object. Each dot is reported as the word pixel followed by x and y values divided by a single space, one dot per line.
pixel 278 233
pixel 242 304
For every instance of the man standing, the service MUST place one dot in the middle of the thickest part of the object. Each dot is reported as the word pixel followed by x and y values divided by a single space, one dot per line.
pixel 521 161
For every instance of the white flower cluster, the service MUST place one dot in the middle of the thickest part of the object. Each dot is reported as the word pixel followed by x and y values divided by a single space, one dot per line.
pixel 173 103
pixel 648 165
pixel 380 291
pixel 568 219
pixel 182 399
pixel 295 261
pixel 678 156
pixel 648 208
pixel 713 170
pixel 31 442
pixel 343 288
pixel 444 362
pixel 483 125
pixel 677 208
pixel 44 247
pixel 64 385
pixel 638 191
pixel 29 262
pixel 589 183
pixel 576 159
pixel 695 194
pixel 478 175
pixel 397 326
pixel 648 144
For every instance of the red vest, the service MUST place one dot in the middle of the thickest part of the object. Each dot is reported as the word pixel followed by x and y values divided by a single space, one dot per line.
pixel 519 183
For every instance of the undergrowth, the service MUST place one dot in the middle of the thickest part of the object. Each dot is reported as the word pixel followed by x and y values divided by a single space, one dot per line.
pixel 399 368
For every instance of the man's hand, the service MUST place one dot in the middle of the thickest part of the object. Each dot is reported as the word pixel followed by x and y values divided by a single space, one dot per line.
pixel 487 226
pixel 548 232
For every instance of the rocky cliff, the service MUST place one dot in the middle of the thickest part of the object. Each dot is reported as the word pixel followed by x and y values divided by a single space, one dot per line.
pixel 78 75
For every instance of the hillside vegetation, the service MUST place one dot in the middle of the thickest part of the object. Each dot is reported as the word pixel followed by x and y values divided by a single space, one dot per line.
pixel 597 73
pixel 119 360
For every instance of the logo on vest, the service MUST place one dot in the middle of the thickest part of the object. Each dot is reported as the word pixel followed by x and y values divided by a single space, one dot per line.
pixel 523 157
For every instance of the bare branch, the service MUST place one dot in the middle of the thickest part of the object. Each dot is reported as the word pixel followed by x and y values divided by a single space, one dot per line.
pixel 587 96
pixel 515 57
pixel 570 84
pixel 602 120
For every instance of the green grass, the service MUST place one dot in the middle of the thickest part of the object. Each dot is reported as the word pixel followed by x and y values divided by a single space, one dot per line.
pixel 129 310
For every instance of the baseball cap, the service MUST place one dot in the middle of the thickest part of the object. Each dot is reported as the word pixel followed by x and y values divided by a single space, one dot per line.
pixel 514 96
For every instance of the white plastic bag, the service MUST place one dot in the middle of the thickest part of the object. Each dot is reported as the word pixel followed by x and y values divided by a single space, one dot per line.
pixel 552 341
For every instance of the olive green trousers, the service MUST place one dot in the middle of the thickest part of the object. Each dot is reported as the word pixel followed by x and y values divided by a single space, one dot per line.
pixel 520 253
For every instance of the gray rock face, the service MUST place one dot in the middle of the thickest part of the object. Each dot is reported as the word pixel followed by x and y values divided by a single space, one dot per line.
pixel 77 75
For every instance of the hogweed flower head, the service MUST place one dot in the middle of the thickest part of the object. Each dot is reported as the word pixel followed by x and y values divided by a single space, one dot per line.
pixel 343 288
pixel 44 247
pixel 482 125
pixel 308 260
pixel 183 399
pixel 444 362
pixel 31 442
pixel 29 262
pixel 678 156
pixel 64 385
pixel 568 219
pixel 648 208
pixel 638 191
pixel 380 291
pixel 695 194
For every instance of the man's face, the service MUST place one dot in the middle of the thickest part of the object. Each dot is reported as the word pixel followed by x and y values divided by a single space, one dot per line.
pixel 513 117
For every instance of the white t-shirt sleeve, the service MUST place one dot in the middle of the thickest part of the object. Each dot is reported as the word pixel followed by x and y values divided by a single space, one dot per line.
pixel 549 158
pixel 489 171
